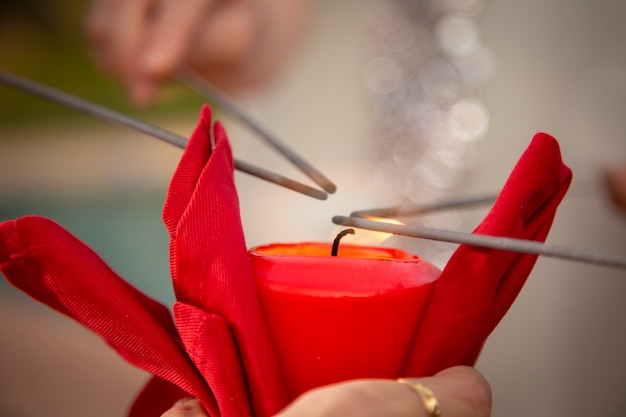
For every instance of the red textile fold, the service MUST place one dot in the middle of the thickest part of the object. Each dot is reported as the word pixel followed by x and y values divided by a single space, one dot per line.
pixel 220 365
pixel 478 285
pixel 51 265
pixel 219 351
pixel 209 260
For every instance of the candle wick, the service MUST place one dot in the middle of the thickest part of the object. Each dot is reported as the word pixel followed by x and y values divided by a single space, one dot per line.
pixel 338 238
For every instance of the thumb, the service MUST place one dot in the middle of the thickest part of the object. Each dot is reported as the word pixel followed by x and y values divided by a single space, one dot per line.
pixel 186 407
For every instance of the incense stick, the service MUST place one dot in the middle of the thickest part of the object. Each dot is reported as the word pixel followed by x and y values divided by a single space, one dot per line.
pixel 112 116
pixel 279 180
pixel 415 209
pixel 493 242
pixel 200 85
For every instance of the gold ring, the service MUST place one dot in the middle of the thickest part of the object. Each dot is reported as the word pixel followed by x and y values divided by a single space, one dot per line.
pixel 426 395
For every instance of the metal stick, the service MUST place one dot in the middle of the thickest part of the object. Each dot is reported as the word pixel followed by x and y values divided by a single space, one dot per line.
pixel 279 180
pixel 415 209
pixel 493 242
pixel 112 116
pixel 200 85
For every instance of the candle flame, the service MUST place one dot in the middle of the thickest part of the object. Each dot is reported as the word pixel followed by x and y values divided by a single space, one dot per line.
pixel 368 237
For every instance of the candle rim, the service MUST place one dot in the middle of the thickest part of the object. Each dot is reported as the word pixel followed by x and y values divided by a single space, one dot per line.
pixel 275 272
pixel 390 254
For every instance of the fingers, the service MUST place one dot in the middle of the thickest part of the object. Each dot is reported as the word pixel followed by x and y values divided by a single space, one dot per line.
pixel 173 28
pixel 187 407
pixel 142 42
pixel 615 179
pixel 233 43
pixel 250 41
pixel 460 391
pixel 116 30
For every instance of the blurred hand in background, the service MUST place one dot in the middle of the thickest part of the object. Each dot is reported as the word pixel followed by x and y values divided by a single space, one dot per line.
pixel 236 44
pixel 616 184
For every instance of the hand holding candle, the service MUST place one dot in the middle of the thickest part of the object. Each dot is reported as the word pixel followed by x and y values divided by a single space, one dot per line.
pixel 460 391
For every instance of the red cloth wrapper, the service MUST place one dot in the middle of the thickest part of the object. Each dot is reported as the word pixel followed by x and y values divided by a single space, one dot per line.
pixel 216 348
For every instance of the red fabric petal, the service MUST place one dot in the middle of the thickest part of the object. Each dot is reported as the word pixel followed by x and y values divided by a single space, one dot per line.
pixel 220 366
pixel 209 260
pixel 51 265
pixel 191 165
pixel 477 286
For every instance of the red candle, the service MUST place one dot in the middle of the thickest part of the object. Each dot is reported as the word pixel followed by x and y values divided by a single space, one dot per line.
pixel 335 318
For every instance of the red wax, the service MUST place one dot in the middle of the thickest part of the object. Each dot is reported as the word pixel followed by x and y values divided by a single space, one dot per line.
pixel 334 318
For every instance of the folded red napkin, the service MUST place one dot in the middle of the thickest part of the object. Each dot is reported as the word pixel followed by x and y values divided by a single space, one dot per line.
pixel 217 348
pixel 478 285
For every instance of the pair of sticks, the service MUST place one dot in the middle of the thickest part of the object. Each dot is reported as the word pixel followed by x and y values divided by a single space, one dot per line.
pixel 357 219
pixel 192 80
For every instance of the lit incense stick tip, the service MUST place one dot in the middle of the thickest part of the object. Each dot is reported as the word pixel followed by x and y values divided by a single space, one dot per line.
pixel 492 242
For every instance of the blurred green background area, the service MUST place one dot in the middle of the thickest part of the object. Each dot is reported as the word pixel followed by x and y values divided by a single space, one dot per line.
pixel 124 230
pixel 44 41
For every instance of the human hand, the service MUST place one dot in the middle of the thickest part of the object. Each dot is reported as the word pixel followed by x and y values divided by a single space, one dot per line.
pixel 616 183
pixel 461 392
pixel 233 43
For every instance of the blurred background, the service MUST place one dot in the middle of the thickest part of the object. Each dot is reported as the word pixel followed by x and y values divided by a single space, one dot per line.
pixel 394 100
